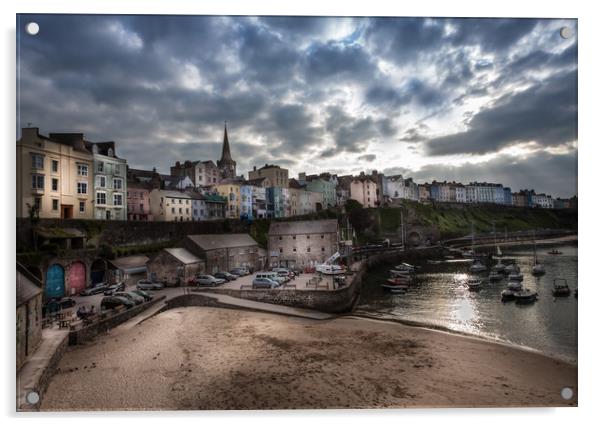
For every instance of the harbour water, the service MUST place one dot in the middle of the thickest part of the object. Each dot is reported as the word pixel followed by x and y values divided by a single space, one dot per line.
pixel 440 298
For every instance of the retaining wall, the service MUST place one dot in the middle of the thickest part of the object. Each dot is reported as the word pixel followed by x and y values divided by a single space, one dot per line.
pixel 89 332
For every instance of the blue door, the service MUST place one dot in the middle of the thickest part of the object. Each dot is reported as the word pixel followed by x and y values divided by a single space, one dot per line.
pixel 55 282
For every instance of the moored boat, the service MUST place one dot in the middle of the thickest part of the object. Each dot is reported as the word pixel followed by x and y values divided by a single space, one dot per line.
pixel 561 288
pixel 507 295
pixel 516 274
pixel 515 285
pixel 474 284
pixel 538 269
pixel 554 252
pixel 395 288
pixel 398 273
pixel 494 276
pixel 524 297
pixel 399 281
pixel 477 266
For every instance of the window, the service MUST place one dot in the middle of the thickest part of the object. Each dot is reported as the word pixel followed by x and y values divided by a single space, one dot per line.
pixel 55 166
pixel 55 184
pixel 308 237
pixel 37 161
pixel 102 181
pixel 322 248
pixel 280 250
pixel 117 184
pixel 118 199
pixel 180 210
pixel 82 169
pixel 101 166
pixel 55 205
pixel 294 237
pixel 37 181
pixel 141 207
pixel 280 238
pixel 308 249
pixel 173 210
pixel 101 198
pixel 82 187
pixel 180 201
pixel 295 249
pixel 82 206
pixel 322 236
pixel 37 203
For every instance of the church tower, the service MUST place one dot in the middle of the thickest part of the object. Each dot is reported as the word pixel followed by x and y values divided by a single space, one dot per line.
pixel 226 165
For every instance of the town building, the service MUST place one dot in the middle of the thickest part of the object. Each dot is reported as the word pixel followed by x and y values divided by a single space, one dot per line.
pixel 110 183
pixel 275 202
pixel 29 314
pixel 230 189
pixel 424 192
pixel 170 206
pixel 246 202
pixel 138 202
pixel 302 243
pixel 174 266
pixel 543 201
pixel 223 252
pixel 519 199
pixel 54 176
pixel 324 186
pixel 507 196
pixel 394 187
pixel 226 165
pixel 207 206
pixel 460 193
pixel 379 180
pixel 363 190
pixel 278 176
pixel 201 173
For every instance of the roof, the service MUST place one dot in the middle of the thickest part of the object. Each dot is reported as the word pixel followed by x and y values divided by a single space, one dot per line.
pixel 183 255
pixel 323 226
pixel 218 241
pixel 174 194
pixel 130 263
pixel 294 183
pixel 26 289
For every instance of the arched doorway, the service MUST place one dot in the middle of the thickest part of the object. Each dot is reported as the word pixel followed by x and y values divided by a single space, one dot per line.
pixel 55 282
pixel 98 271
pixel 77 277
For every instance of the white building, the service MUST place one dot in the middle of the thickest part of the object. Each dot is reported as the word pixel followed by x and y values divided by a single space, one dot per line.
pixel 394 187
pixel 460 193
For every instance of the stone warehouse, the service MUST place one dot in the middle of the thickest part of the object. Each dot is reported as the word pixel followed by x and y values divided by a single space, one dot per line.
pixel 302 243
pixel 174 266
pixel 223 252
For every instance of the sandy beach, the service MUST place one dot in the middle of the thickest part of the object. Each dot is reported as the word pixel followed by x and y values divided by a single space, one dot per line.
pixel 210 358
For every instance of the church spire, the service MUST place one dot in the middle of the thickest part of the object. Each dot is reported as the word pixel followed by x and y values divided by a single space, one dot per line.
pixel 226 146
pixel 226 164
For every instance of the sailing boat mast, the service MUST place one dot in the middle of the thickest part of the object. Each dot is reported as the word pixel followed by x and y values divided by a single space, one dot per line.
pixel 403 231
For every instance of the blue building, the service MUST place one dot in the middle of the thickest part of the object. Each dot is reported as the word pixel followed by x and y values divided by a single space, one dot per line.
pixel 507 196
pixel 246 202
pixel 435 192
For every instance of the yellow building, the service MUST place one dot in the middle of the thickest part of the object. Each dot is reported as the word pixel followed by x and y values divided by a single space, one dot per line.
pixel 277 175
pixel 232 193
pixel 54 175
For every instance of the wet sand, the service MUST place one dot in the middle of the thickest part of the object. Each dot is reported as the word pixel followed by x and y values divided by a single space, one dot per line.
pixel 211 358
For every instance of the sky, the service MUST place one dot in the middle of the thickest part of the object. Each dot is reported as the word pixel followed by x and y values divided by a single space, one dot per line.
pixel 429 98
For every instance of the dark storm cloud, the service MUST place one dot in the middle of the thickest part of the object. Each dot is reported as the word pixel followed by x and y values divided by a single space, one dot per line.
pixel 294 89
pixel 545 113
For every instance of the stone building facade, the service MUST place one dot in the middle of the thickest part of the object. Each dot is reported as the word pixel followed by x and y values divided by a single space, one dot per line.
pixel 302 243
pixel 29 314
pixel 174 266
pixel 223 252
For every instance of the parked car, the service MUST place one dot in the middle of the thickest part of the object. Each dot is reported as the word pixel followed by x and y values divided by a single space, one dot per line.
pixel 272 276
pixel 147 296
pixel 98 288
pixel 57 304
pixel 114 288
pixel 149 285
pixel 240 271
pixel 112 302
pixel 227 276
pixel 208 280
pixel 283 272
pixel 137 299
pixel 264 283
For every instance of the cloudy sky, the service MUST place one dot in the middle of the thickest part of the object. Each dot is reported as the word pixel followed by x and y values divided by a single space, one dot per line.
pixel 455 99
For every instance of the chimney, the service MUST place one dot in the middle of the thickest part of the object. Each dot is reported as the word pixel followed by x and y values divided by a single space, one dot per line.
pixel 254 168
pixel 177 164
pixel 30 132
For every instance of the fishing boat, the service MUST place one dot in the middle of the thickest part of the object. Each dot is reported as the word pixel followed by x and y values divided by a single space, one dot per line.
pixel 507 295
pixel 494 276
pixel 399 281
pixel 554 252
pixel 561 288
pixel 477 266
pixel 538 268
pixel 474 284
pixel 525 297
pixel 508 269
pixel 406 267
pixel 468 254
pixel 515 285
pixel 516 274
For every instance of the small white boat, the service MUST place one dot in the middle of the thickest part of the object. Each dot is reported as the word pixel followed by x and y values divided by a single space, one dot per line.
pixel 494 276
pixel 524 297
pixel 516 274
pixel 561 288
pixel 398 273
pixel 406 267
pixel 477 266
pixel 515 285
pixel 474 284
pixel 509 268
pixel 538 269
pixel 507 295
pixel 468 254
pixel 499 267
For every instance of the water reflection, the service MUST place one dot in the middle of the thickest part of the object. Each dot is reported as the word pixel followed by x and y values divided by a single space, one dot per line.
pixel 441 297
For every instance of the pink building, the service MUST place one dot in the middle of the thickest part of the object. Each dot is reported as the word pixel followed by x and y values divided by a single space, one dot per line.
pixel 139 202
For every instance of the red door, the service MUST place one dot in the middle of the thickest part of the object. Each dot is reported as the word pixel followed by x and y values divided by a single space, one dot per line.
pixel 77 277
